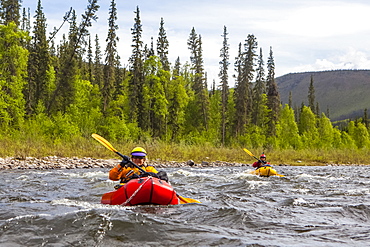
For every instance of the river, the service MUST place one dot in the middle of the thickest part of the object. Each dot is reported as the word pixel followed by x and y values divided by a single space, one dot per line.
pixel 310 206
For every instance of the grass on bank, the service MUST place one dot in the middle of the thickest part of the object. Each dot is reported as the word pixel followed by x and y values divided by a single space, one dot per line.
pixel 159 151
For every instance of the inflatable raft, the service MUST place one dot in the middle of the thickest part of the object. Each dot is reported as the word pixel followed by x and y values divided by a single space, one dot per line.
pixel 142 191
pixel 266 171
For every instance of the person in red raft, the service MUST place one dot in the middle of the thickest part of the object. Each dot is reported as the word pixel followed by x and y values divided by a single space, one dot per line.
pixel 261 162
pixel 125 171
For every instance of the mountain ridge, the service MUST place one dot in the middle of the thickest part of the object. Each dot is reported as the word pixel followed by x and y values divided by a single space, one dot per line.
pixel 342 93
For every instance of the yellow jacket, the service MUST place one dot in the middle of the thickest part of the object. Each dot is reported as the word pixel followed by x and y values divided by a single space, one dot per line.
pixel 118 172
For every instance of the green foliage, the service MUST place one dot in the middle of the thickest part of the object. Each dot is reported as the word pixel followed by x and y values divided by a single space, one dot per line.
pixel 287 130
pixel 360 135
pixel 13 67
pixel 307 127
pixel 257 136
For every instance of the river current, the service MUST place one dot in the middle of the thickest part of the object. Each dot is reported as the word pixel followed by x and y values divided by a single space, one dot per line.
pixel 310 206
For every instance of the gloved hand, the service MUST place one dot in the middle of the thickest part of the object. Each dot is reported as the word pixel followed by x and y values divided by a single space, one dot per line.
pixel 125 161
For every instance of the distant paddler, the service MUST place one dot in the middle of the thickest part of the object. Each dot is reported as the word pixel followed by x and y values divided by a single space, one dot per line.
pixel 263 168
pixel 261 162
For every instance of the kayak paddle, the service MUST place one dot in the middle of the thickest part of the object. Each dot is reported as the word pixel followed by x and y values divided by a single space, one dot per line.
pixel 106 144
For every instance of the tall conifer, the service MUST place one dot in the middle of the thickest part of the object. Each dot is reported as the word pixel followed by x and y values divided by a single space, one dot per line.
pixel 273 96
pixel 243 97
pixel 111 62
pixel 258 90
pixel 9 12
pixel 224 77
pixel 98 68
pixel 201 103
pixel 239 91
pixel 311 96
pixel 136 83
pixel 39 84
pixel 162 46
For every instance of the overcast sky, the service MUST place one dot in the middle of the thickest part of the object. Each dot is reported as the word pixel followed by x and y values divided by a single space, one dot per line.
pixel 304 35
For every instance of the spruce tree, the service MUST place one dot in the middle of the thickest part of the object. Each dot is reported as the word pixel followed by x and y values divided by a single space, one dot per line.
pixel 258 90
pixel 290 101
pixel 176 68
pixel 39 85
pixel 243 100
pixel 311 96
pixel 151 50
pixel 162 46
pixel 26 20
pixel 111 62
pixel 201 101
pixel 136 83
pixel 365 119
pixel 273 96
pixel 224 77
pixel 90 62
pixel 9 12
pixel 239 92
pixel 98 68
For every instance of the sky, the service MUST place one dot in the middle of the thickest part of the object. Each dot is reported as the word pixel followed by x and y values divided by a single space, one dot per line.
pixel 312 35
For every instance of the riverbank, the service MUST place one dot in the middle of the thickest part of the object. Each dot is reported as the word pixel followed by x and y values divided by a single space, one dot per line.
pixel 54 162
pixel 161 153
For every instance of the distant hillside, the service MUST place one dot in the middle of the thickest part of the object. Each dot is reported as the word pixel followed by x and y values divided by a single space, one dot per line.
pixel 346 93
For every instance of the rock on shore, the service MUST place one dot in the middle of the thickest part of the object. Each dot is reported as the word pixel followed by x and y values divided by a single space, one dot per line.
pixel 54 162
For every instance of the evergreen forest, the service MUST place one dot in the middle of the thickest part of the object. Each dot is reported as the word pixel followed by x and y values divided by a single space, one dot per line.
pixel 58 92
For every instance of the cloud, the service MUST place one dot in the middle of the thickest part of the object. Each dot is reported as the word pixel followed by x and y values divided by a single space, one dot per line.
pixel 323 20
pixel 351 59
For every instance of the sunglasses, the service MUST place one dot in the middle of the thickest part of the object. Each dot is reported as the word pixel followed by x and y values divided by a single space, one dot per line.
pixel 138 157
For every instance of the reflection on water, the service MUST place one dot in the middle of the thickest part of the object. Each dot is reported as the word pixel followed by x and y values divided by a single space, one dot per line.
pixel 310 206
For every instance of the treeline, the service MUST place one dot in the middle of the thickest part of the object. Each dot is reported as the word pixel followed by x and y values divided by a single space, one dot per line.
pixel 75 88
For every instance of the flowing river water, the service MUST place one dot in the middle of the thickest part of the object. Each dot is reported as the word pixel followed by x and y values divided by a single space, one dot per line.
pixel 310 206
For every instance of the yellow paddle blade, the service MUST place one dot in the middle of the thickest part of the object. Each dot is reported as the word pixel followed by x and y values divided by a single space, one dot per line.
pixel 184 200
pixel 104 142
pixel 248 152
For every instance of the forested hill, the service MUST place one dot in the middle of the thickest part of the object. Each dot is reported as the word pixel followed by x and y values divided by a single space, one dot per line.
pixel 345 93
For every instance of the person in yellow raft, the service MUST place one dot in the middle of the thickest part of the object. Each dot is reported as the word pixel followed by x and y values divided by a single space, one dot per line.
pixel 126 171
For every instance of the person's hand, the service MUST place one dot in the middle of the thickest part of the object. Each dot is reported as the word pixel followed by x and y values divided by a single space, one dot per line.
pixel 125 161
